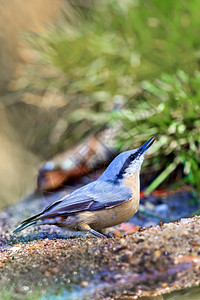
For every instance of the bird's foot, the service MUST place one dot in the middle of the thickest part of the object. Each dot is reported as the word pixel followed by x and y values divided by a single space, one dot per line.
pixel 86 227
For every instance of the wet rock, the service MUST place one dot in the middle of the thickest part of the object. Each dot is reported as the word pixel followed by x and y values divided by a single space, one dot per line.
pixel 137 261
pixel 150 261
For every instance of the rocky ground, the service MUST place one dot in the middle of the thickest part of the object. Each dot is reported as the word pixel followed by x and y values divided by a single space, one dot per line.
pixel 137 261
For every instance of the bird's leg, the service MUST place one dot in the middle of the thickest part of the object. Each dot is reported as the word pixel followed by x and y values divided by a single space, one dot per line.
pixel 86 227
pixel 96 233
pixel 108 235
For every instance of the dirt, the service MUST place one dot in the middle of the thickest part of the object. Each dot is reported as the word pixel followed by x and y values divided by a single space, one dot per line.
pixel 141 262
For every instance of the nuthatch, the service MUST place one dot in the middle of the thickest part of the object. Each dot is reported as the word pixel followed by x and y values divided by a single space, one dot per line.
pixel 110 200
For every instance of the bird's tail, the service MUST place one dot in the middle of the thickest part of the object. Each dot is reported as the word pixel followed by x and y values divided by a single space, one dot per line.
pixel 23 226
pixel 27 223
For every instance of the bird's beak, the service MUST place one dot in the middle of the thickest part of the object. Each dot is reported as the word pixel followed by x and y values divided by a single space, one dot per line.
pixel 146 146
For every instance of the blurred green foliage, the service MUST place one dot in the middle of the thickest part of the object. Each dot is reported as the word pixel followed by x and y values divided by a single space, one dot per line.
pixel 121 42
pixel 144 52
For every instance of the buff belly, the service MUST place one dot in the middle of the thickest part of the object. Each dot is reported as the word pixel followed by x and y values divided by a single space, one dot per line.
pixel 109 217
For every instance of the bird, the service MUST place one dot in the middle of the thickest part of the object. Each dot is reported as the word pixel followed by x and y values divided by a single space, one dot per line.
pixel 110 200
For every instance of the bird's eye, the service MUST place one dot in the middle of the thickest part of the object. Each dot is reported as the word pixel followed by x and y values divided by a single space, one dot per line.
pixel 132 156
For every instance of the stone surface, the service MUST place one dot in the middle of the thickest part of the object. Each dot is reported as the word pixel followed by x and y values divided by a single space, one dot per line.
pixel 145 262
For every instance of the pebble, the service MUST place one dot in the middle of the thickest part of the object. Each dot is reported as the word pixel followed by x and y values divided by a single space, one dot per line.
pixel 84 283
pixel 157 253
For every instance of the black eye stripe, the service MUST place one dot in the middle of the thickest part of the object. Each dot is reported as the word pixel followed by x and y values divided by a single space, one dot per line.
pixel 126 165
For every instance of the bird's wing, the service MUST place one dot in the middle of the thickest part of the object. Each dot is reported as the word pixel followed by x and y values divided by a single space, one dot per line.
pixel 96 198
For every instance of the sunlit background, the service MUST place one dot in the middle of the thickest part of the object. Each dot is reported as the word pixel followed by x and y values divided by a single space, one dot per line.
pixel 66 65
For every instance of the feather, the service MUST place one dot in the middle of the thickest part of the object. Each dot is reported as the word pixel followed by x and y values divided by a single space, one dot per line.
pixel 92 197
pixel 25 225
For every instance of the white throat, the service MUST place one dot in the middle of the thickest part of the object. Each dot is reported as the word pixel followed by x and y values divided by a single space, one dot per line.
pixel 134 167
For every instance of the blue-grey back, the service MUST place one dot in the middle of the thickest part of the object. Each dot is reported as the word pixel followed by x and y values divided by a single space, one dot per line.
pixel 93 196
